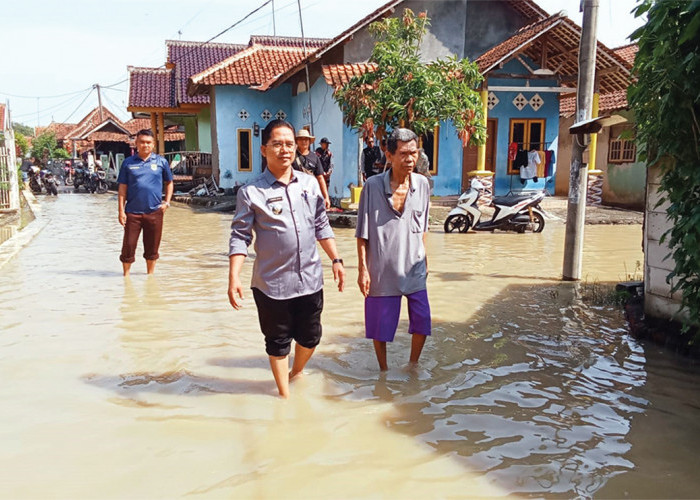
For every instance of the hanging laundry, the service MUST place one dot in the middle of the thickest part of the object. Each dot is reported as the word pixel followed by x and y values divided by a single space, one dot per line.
pixel 512 151
pixel 550 158
pixel 541 165
pixel 530 170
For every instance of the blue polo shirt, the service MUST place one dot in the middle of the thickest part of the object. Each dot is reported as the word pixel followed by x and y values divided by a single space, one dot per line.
pixel 144 180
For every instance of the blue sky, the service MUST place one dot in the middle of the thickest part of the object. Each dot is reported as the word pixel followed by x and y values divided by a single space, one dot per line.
pixel 55 51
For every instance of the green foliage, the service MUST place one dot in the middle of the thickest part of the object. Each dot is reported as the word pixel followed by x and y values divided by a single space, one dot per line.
pixel 22 144
pixel 60 154
pixel 666 102
pixel 43 146
pixel 25 130
pixel 403 91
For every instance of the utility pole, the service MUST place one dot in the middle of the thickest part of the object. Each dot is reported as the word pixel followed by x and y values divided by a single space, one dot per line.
pixel 99 99
pixel 576 207
pixel 306 67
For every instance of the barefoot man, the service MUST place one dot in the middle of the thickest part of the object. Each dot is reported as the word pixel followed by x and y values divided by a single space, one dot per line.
pixel 392 222
pixel 286 211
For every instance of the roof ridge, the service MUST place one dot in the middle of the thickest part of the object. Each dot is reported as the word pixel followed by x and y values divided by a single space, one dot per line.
pixel 187 43
pixel 143 69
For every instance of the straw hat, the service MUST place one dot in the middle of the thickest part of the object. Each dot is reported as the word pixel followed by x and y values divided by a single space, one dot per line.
pixel 304 134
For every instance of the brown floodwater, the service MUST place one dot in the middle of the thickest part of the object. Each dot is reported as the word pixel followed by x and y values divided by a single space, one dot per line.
pixel 153 387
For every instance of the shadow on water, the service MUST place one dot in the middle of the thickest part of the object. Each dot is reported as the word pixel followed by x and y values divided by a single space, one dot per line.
pixel 538 391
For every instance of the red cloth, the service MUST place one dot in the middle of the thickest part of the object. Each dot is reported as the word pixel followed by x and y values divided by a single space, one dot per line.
pixel 512 150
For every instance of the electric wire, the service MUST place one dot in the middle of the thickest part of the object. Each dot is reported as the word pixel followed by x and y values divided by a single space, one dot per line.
pixel 48 110
pixel 78 107
pixel 42 96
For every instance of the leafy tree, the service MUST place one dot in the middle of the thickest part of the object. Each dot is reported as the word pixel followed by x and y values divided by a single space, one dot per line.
pixel 666 102
pixel 21 144
pixel 405 92
pixel 44 146
pixel 25 130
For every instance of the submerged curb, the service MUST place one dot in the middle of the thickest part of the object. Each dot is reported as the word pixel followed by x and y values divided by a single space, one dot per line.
pixel 11 247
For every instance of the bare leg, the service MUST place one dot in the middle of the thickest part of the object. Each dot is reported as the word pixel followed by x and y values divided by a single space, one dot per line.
pixel 150 266
pixel 301 357
pixel 126 266
pixel 380 351
pixel 417 343
pixel 280 365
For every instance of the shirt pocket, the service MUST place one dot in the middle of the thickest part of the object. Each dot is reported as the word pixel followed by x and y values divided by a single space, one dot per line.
pixel 417 221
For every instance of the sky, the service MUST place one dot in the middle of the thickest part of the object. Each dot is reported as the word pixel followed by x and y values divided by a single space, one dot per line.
pixel 54 52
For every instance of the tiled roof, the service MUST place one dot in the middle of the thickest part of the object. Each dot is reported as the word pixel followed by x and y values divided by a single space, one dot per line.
pixel 563 53
pixel 151 88
pixel 191 58
pixel 628 52
pixel 2 117
pixel 86 127
pixel 251 67
pixel 136 124
pixel 340 74
pixel 287 41
pixel 607 103
pixel 61 130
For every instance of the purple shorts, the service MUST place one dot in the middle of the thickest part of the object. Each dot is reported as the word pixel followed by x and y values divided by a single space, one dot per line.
pixel 382 315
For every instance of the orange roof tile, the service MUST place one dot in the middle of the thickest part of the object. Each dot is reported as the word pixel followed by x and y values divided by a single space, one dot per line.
pixel 607 103
pixel 340 74
pixel 2 117
pixel 628 52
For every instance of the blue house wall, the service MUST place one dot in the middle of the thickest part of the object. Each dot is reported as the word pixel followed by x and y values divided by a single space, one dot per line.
pixel 505 110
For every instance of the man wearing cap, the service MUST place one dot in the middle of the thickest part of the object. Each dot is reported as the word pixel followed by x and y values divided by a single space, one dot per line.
pixel 307 161
pixel 324 154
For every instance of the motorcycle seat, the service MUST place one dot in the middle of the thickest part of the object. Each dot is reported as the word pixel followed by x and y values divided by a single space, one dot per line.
pixel 509 201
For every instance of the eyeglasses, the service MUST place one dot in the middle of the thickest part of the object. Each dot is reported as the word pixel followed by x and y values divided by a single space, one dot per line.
pixel 277 146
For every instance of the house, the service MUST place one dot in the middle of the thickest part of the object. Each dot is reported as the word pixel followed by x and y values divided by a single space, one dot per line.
pixel 622 176
pixel 9 190
pixel 528 59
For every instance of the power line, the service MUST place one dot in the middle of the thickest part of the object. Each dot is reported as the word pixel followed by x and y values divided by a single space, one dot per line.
pixel 49 109
pixel 42 96
pixel 78 107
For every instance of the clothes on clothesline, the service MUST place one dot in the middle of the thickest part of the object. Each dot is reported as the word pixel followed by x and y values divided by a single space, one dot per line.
pixel 529 171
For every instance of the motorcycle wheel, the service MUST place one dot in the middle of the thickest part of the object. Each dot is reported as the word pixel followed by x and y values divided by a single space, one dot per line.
pixel 458 222
pixel 537 224
pixel 69 181
pixel 102 187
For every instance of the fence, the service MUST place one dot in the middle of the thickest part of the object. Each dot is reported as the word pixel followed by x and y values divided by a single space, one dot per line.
pixel 9 189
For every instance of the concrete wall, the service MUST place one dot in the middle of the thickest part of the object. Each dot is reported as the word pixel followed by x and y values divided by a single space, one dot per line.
pixel 659 302
pixel 204 130
pixel 192 134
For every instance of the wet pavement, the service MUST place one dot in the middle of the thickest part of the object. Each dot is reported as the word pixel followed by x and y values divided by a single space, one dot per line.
pixel 153 387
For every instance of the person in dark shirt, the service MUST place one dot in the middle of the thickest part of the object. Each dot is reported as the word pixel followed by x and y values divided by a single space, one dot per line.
pixel 324 154
pixel 371 156
pixel 307 161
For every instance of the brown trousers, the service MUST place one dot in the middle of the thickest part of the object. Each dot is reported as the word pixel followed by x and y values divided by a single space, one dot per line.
pixel 152 225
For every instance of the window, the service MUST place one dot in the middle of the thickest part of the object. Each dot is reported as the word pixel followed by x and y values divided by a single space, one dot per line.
pixel 245 147
pixel 527 134
pixel 622 151
pixel 429 142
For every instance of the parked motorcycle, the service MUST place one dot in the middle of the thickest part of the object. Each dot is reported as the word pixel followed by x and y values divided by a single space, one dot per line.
pixel 98 181
pixel 512 213
pixel 81 177
pixel 50 182
pixel 68 173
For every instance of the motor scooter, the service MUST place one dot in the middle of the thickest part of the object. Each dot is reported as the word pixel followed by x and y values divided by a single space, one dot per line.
pixel 512 213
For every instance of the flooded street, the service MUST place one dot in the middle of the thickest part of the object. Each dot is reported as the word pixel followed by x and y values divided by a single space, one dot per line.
pixel 154 387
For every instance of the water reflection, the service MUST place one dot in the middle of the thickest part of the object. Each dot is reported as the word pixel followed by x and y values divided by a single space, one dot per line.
pixel 524 388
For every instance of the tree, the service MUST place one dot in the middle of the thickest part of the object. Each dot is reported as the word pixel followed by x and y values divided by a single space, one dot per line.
pixel 402 91
pixel 25 130
pixel 45 147
pixel 21 144
pixel 666 103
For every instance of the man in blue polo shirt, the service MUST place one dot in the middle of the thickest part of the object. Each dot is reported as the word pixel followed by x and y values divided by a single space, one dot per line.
pixel 141 204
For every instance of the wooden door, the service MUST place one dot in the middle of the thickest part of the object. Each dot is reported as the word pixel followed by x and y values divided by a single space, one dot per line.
pixel 470 153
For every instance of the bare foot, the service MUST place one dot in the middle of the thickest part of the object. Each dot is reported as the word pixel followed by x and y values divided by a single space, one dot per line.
pixel 411 367
pixel 295 376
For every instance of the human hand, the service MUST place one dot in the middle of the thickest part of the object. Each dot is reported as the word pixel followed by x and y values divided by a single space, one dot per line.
pixel 235 294
pixel 339 275
pixel 164 206
pixel 122 218
pixel 327 202
pixel 363 280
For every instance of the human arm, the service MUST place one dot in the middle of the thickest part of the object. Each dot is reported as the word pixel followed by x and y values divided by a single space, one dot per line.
pixel 324 191
pixel 329 247
pixel 121 201
pixel 169 188
pixel 425 248
pixel 363 279
pixel 235 288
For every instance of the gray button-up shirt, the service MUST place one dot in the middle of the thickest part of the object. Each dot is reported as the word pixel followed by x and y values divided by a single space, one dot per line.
pixel 287 220
pixel 395 251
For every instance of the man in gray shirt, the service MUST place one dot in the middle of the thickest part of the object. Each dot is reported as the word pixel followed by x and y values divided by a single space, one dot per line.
pixel 285 210
pixel 392 223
